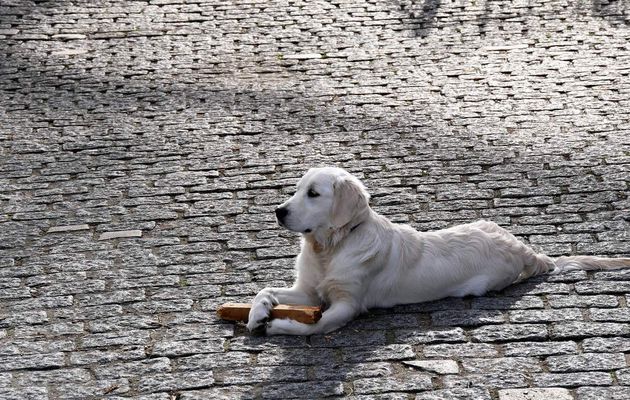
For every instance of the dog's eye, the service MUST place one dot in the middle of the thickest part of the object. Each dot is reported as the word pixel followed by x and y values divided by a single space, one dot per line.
pixel 312 193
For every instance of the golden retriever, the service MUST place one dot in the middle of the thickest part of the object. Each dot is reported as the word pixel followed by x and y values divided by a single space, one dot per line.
pixel 353 259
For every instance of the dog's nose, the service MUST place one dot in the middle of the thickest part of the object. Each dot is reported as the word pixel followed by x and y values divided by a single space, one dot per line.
pixel 281 213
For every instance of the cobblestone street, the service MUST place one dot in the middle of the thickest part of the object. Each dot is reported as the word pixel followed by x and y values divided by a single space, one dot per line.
pixel 144 146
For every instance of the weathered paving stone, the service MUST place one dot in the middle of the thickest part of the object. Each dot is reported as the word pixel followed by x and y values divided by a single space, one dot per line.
pixel 606 345
pixel 455 394
pixel 58 329
pixel 507 303
pixel 82 286
pixel 530 316
pixel 616 315
pixel 568 330
pixel 385 396
pixel 15 293
pixel 149 282
pixel 535 394
pixel 618 275
pixel 586 362
pixel 88 313
pixel 436 335
pixel 378 353
pixel 217 360
pixel 460 350
pixel 623 376
pixel 187 347
pixel 466 318
pixel 612 393
pixel 384 321
pixel 590 287
pixel 97 387
pixel 112 297
pixel 307 390
pixel 354 371
pixel 186 329
pixel 411 382
pixel 532 288
pixel 104 356
pixel 437 366
pixel 489 380
pixel 250 375
pixel 161 306
pixel 32 361
pixel 30 392
pixel 572 379
pixel 120 234
pixel 338 339
pixel 498 364
pixel 177 380
pixel 26 346
pixel 135 368
pixel 25 318
pixel 495 333
pixel 539 348
pixel 62 375
pixel 256 343
pixel 116 338
pixel 603 300
pixel 68 228
pixel 153 396
pixel 220 393
pixel 5 378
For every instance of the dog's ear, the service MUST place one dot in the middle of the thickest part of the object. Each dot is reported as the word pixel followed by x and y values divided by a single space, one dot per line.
pixel 350 200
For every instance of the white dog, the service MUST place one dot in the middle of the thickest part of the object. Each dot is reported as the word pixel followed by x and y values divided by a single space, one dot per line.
pixel 352 259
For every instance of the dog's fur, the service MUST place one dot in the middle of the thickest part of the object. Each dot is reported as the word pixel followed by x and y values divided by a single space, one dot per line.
pixel 353 259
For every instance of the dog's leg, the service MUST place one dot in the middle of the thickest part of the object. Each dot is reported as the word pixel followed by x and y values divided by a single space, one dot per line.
pixel 267 298
pixel 333 318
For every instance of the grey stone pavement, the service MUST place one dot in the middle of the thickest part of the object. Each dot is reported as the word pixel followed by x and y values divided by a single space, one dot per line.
pixel 145 144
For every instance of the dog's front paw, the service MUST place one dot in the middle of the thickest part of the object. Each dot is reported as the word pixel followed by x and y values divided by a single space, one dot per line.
pixel 259 329
pixel 286 327
pixel 259 316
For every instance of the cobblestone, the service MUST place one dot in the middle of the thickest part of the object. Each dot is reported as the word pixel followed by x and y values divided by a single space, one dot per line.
pixel 411 382
pixel 586 362
pixel 601 300
pixel 120 234
pixel 455 394
pixel 535 394
pixel 437 366
pixel 507 332
pixel 612 393
pixel 490 380
pixel 171 129
pixel 539 349
pixel 460 350
pixel 574 379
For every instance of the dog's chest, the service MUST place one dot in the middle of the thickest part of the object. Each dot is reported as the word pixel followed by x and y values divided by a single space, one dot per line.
pixel 323 266
pixel 336 281
pixel 323 275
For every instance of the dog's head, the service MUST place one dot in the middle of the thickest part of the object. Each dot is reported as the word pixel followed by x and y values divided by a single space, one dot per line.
pixel 327 199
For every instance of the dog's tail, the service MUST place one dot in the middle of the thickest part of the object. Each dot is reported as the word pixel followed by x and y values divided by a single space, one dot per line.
pixel 543 264
pixel 588 263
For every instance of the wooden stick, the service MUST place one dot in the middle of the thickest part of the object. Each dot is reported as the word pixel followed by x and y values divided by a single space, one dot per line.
pixel 240 312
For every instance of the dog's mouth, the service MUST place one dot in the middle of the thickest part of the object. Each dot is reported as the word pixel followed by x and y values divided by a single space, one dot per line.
pixel 284 225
